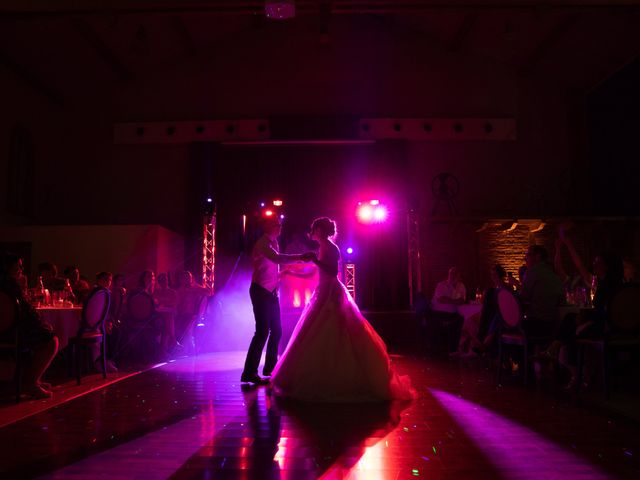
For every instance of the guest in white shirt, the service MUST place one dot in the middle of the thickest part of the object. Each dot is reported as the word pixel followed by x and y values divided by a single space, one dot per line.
pixel 449 293
pixel 264 298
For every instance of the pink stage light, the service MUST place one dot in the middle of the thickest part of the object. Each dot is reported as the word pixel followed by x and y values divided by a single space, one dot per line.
pixel 365 213
pixel 380 214
pixel 268 213
pixel 349 250
pixel 371 211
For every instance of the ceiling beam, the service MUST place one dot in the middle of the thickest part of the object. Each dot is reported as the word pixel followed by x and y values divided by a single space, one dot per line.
pixel 31 79
pixel 101 49
pixel 552 38
pixel 461 36
pixel 303 7
pixel 188 45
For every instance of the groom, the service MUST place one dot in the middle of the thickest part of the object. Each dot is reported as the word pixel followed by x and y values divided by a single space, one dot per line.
pixel 264 298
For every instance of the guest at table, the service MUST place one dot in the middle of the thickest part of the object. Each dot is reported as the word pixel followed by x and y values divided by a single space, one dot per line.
pixel 479 330
pixel 570 283
pixel 103 282
pixel 189 296
pixel 449 293
pixel 444 315
pixel 629 266
pixel 606 280
pixel 50 278
pixel 147 282
pixel 118 299
pixel 34 334
pixel 541 293
pixel 79 287
pixel 167 301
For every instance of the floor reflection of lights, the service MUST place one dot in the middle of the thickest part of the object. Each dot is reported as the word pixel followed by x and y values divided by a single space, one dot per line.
pixel 514 450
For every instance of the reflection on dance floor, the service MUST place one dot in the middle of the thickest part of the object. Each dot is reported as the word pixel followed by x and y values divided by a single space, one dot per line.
pixel 192 419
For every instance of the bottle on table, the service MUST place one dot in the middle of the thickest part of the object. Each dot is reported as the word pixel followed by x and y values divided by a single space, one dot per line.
pixel 40 293
pixel 68 293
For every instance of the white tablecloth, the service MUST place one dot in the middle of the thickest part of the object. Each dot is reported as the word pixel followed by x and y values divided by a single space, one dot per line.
pixel 65 322
pixel 466 310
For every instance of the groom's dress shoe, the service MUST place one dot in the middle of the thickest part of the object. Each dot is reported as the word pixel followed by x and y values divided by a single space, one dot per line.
pixel 254 378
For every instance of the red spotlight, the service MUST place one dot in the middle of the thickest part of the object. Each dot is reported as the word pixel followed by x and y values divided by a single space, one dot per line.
pixel 268 213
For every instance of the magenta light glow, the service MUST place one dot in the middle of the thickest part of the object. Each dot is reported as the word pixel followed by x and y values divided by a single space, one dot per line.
pixel 349 250
pixel 371 211
pixel 516 451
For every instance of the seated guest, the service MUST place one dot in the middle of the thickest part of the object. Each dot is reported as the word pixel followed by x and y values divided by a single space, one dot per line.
pixel 79 287
pixel 541 293
pixel 147 282
pixel 629 266
pixel 189 296
pixel 33 333
pixel 103 282
pixel 50 279
pixel 449 293
pixel 167 301
pixel 606 280
pixel 444 314
pixel 479 330
pixel 118 299
pixel 118 284
pixel 165 296
pixel 570 283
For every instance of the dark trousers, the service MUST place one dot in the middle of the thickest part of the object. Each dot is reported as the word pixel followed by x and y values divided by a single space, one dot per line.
pixel 266 310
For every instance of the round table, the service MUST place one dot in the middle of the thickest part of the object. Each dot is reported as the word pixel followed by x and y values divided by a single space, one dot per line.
pixel 65 322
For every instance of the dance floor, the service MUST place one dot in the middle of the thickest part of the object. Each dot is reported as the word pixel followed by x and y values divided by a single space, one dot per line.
pixel 192 419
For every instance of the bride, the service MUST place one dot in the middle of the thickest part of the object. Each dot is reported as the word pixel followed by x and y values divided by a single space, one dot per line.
pixel 334 355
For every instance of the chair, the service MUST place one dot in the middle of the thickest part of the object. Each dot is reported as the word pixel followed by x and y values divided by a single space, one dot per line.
pixel 9 316
pixel 199 317
pixel 139 320
pixel 92 329
pixel 115 307
pixel 624 334
pixel 513 334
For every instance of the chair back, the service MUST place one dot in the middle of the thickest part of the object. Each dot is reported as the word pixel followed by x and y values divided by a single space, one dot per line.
pixel 115 307
pixel 624 310
pixel 8 312
pixel 509 308
pixel 140 306
pixel 203 303
pixel 95 309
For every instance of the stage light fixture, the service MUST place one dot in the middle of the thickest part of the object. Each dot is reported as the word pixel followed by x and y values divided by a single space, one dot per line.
pixel 365 213
pixel 371 211
pixel 380 214
pixel 268 213
pixel 277 203
pixel 349 250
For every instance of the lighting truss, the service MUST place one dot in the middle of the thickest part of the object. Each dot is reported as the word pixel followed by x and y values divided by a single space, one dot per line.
pixel 350 278
pixel 208 250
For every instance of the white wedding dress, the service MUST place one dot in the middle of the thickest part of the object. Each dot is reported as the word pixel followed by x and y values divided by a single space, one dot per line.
pixel 334 355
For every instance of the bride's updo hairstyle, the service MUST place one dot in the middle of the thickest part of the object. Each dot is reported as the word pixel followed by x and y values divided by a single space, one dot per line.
pixel 325 225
